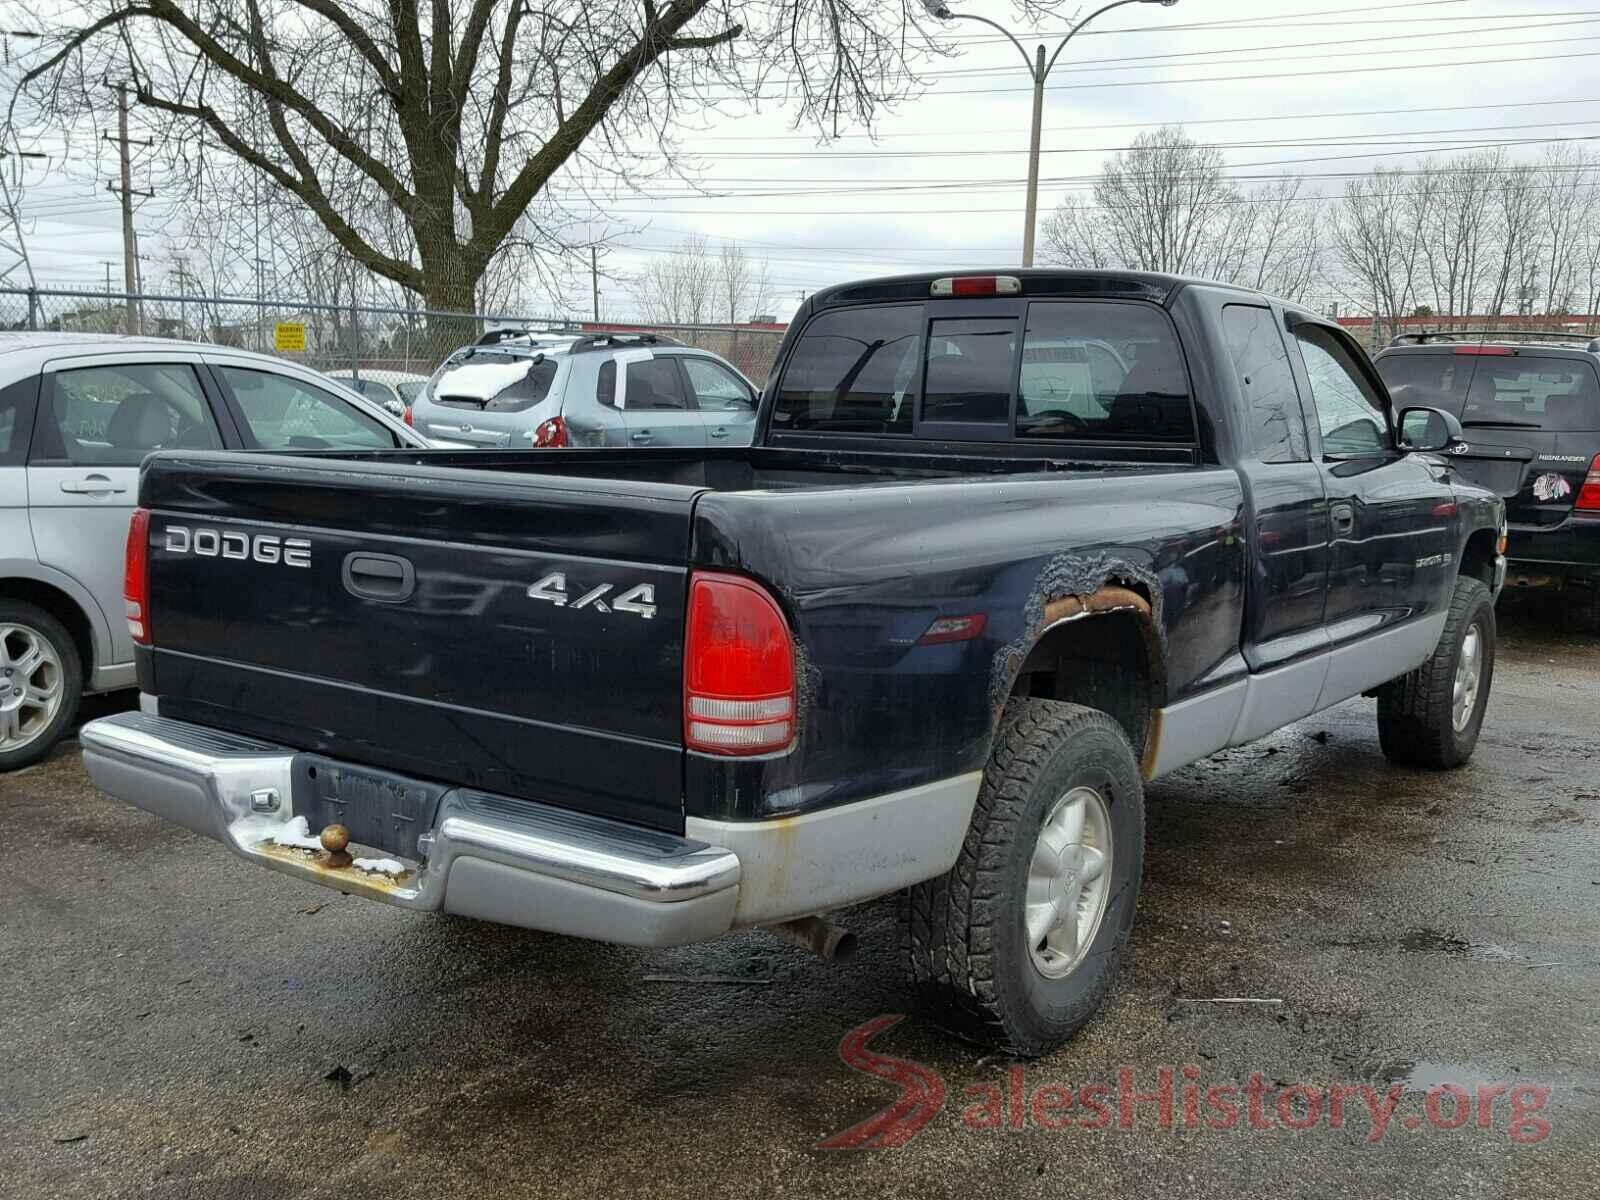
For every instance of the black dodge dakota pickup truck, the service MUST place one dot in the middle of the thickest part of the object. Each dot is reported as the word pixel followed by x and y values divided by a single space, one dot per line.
pixel 1007 546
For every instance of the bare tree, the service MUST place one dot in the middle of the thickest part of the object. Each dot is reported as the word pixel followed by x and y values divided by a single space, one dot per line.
pixel 1285 243
pixel 1376 240
pixel 1159 198
pixel 1515 208
pixel 1072 237
pixel 680 286
pixel 1458 239
pixel 420 134
pixel 1567 211
pixel 742 286
pixel 1166 204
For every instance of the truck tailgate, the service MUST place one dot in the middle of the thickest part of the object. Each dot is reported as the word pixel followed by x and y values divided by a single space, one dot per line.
pixel 521 635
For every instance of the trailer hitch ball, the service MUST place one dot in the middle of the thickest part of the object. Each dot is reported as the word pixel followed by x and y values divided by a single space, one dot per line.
pixel 334 839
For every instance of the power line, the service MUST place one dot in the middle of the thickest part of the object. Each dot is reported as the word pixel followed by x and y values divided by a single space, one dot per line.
pixel 736 97
pixel 1380 139
pixel 1155 62
pixel 947 135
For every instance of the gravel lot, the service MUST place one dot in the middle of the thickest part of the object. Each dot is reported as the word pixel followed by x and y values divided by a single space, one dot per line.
pixel 175 1024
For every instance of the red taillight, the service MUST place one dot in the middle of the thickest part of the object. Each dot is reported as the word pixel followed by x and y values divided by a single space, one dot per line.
pixel 406 416
pixel 551 433
pixel 977 285
pixel 1589 494
pixel 136 577
pixel 738 668
pixel 1488 351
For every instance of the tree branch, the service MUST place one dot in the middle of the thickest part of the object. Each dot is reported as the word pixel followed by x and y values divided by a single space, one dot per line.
pixel 654 41
pixel 305 187
pixel 364 45
pixel 270 86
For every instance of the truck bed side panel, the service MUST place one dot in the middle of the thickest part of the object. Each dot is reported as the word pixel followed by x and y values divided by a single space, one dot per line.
pixel 864 572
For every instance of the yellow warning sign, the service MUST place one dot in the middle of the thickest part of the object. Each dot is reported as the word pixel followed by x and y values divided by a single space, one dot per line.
pixel 289 336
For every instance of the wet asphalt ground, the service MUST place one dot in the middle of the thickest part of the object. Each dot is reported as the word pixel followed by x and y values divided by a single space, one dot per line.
pixel 175 1024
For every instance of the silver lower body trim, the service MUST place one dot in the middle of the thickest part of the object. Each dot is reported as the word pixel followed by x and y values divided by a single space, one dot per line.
pixel 1245 709
pixel 797 866
pixel 539 867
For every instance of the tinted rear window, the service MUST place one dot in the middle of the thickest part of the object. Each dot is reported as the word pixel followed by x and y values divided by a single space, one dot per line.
pixel 1088 370
pixel 1103 371
pixel 1560 395
pixel 1556 394
pixel 854 371
pixel 1435 380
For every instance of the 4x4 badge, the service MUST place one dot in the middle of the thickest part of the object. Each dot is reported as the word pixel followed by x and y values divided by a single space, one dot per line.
pixel 639 600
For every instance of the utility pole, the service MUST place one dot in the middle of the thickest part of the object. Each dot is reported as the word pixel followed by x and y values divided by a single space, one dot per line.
pixel 130 242
pixel 594 281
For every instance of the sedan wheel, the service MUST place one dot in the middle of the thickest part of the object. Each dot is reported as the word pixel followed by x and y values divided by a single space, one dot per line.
pixel 32 686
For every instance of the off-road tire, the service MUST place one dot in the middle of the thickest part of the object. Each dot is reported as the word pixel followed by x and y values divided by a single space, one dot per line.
pixel 1416 726
pixel 965 947
pixel 42 624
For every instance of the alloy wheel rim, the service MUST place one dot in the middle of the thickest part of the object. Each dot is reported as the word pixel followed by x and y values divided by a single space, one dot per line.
pixel 31 685
pixel 1069 882
pixel 1469 673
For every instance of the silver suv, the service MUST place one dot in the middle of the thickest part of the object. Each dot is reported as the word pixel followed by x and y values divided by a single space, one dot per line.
pixel 516 389
pixel 78 414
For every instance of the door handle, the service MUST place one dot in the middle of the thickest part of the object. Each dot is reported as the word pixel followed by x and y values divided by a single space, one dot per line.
pixel 91 485
pixel 1343 517
pixel 719 433
pixel 644 435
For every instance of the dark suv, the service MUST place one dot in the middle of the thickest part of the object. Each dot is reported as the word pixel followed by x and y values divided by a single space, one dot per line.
pixel 1529 406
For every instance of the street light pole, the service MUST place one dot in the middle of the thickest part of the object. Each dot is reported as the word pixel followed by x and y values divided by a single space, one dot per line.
pixel 1030 217
pixel 1039 70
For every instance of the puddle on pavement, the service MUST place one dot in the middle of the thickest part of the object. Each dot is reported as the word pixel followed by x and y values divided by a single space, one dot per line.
pixel 1422 1075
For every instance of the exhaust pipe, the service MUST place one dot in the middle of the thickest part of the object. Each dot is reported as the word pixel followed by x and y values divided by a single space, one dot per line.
pixel 823 938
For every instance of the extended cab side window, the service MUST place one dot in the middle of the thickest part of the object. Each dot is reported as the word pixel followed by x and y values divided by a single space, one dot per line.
pixel 1350 413
pixel 1266 381
pixel 854 370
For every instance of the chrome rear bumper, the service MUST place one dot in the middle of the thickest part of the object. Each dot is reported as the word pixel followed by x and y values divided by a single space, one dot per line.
pixel 487 856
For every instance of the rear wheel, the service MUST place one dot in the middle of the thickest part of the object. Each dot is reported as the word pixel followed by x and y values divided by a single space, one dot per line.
pixel 1431 717
pixel 1018 944
pixel 41 682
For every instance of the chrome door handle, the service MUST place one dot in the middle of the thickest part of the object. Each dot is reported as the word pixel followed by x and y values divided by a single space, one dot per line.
pixel 1343 517
pixel 644 435
pixel 93 485
pixel 719 433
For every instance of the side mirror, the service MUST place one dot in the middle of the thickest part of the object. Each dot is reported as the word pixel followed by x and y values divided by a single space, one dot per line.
pixel 1429 429
pixel 395 409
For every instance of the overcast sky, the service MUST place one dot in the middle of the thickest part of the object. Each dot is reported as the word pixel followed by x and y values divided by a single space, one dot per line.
pixel 1293 84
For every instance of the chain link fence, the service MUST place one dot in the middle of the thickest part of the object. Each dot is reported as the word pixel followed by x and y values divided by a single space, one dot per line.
pixel 345 339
